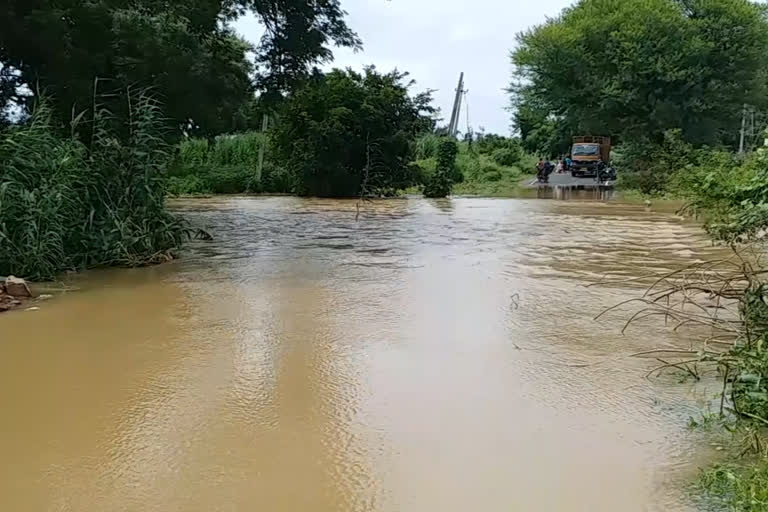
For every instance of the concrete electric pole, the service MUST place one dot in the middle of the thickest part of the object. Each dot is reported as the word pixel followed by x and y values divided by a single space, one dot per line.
pixel 453 127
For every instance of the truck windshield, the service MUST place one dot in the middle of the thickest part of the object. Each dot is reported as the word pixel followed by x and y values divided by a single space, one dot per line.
pixel 586 150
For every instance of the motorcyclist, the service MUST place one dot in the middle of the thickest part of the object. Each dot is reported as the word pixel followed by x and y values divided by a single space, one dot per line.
pixel 545 168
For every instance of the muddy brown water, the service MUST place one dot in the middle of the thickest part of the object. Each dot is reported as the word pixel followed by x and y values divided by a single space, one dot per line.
pixel 433 355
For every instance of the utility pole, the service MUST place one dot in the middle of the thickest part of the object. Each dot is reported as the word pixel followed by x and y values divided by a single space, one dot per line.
pixel 743 128
pixel 453 127
pixel 264 126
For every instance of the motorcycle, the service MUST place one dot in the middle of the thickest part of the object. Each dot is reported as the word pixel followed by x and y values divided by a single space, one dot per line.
pixel 542 176
pixel 605 175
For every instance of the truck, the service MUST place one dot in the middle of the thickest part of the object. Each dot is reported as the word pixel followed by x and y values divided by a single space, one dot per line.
pixel 589 153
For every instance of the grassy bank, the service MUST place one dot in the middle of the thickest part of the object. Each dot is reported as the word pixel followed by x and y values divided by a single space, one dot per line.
pixel 67 204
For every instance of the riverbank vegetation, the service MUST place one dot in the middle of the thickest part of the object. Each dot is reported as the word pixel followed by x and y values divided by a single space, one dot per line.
pixel 84 161
pixel 487 165
pixel 681 87
pixel 68 204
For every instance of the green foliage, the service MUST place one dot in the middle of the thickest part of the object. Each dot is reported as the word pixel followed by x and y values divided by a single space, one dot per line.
pixel 346 133
pixel 229 165
pixel 426 145
pixel 446 156
pixel 729 195
pixel 188 185
pixel 652 168
pixel 738 488
pixel 185 50
pixel 489 165
pixel 508 156
pixel 637 68
pixel 67 205
pixel 196 65
pixel 439 184
pixel 298 36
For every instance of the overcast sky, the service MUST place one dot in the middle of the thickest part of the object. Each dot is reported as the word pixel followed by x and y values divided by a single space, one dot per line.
pixel 434 40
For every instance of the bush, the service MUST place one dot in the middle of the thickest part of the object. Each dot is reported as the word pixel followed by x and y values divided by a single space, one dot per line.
pixel 732 197
pixel 439 184
pixel 276 180
pixel 348 134
pixel 476 168
pixel 189 185
pixel 507 156
pixel 228 166
pixel 651 168
pixel 65 205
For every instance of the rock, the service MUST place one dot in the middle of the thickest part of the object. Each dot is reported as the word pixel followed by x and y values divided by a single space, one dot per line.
pixel 44 296
pixel 17 287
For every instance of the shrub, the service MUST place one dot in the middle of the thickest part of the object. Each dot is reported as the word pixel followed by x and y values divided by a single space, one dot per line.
pixel 651 168
pixel 439 184
pixel 738 488
pixel 347 134
pixel 276 179
pixel 507 156
pixel 187 186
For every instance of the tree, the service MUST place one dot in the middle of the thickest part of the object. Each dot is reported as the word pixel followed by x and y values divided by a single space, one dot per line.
pixel 637 68
pixel 297 36
pixel 346 133
pixel 183 49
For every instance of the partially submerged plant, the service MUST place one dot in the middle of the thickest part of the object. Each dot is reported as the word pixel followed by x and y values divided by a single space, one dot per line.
pixel 724 305
pixel 68 204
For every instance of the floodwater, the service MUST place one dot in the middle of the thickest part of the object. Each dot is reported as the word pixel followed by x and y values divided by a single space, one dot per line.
pixel 429 356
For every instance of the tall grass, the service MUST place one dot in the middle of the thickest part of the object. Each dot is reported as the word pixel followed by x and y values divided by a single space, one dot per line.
pixel 226 165
pixel 68 204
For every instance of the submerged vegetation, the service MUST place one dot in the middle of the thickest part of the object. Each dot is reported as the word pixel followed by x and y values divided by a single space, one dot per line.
pixel 737 488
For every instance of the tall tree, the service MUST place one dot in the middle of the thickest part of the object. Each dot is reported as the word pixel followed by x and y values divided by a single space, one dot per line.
pixel 639 67
pixel 297 36
pixel 184 49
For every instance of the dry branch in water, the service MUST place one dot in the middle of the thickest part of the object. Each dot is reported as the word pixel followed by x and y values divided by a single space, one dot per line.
pixel 723 306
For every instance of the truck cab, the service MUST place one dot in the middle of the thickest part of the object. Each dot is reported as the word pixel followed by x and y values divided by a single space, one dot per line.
pixel 588 153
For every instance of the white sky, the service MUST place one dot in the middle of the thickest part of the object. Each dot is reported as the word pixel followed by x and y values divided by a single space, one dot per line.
pixel 434 40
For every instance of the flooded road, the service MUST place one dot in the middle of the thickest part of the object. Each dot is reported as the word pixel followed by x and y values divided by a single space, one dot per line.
pixel 432 356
